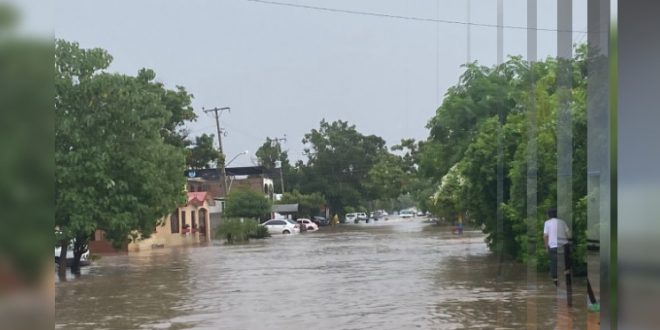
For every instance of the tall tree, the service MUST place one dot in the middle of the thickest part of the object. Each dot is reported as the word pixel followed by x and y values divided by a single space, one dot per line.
pixel 461 155
pixel 270 155
pixel 339 162
pixel 308 204
pixel 203 152
pixel 115 170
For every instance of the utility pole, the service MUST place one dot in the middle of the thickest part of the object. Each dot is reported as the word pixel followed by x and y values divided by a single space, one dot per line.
pixel 273 143
pixel 223 175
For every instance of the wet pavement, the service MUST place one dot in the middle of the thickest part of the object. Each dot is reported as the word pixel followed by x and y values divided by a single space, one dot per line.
pixel 401 274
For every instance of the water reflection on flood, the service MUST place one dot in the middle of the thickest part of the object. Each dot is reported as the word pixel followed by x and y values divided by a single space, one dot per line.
pixel 390 275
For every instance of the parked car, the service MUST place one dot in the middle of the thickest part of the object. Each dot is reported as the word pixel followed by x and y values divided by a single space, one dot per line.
pixel 420 214
pixel 362 216
pixel 351 217
pixel 308 224
pixel 321 221
pixel 282 226
pixel 407 214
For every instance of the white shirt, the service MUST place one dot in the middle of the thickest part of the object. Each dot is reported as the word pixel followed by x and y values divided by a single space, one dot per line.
pixel 557 231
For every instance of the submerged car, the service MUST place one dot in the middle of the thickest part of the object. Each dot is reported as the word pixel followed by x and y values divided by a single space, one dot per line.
pixel 282 226
pixel 362 216
pixel 308 224
pixel 407 214
pixel 351 217
pixel 321 221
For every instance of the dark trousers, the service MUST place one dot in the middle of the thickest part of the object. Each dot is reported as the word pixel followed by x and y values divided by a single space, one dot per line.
pixel 552 252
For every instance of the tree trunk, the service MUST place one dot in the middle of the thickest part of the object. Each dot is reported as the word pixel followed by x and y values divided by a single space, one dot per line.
pixel 79 248
pixel 62 264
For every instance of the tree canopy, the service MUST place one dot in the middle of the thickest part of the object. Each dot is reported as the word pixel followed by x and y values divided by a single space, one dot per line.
pixel 246 203
pixel 308 204
pixel 119 150
pixel 203 153
pixel 491 106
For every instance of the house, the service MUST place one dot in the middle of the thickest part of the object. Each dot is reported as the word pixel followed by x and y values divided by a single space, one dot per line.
pixel 255 178
pixel 187 225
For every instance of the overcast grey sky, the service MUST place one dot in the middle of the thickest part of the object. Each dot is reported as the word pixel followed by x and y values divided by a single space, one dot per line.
pixel 283 69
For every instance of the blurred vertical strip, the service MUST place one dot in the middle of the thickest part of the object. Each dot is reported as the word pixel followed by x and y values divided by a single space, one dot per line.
pixel 532 165
pixel 26 175
pixel 565 124
pixel 598 152
pixel 638 172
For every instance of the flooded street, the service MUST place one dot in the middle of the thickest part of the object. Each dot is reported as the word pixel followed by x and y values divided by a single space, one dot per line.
pixel 387 275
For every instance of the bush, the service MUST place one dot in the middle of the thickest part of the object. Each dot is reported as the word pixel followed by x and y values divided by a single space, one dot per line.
pixel 259 232
pixel 237 231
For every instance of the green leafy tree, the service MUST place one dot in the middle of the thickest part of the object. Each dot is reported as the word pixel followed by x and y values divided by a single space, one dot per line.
pixel 387 178
pixel 115 168
pixel 203 153
pixel 246 203
pixel 308 204
pixel 268 155
pixel 338 165
pixel 491 106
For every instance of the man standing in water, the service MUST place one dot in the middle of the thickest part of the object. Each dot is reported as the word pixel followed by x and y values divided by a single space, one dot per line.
pixel 555 235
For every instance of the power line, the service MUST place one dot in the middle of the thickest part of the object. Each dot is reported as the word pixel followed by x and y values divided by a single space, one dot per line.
pixel 408 18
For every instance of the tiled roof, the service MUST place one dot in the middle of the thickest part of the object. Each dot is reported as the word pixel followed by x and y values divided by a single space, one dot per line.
pixel 197 197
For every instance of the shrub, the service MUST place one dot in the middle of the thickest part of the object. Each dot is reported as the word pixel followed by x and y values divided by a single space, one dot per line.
pixel 259 232
pixel 237 231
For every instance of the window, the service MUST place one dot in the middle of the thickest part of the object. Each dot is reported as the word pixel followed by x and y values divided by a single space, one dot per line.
pixel 174 222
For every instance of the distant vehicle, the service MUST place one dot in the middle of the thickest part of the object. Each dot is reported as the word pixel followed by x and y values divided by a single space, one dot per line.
pixel 321 221
pixel 282 226
pixel 351 217
pixel 407 214
pixel 309 225
pixel 384 213
pixel 362 216
pixel 420 214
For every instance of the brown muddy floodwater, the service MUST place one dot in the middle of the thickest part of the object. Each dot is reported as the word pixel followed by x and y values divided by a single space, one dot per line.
pixel 387 275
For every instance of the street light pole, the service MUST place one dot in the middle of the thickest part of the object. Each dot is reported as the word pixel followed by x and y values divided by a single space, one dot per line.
pixel 229 162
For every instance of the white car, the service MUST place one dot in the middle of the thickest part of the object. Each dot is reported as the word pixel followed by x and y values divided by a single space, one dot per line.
pixel 282 226
pixel 407 214
pixel 309 225
pixel 362 216
pixel 351 217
